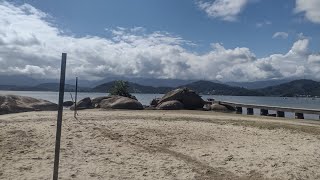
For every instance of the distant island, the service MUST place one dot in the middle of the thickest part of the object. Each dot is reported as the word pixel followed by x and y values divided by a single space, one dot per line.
pixel 296 88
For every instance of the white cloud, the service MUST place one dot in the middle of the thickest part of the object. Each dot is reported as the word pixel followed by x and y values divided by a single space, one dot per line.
pixel 282 35
pixel 310 8
pixel 314 58
pixel 264 23
pixel 32 46
pixel 227 10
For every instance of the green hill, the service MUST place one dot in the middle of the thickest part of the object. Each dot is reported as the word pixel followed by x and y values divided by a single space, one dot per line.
pixel 301 87
pixel 212 88
pixel 133 88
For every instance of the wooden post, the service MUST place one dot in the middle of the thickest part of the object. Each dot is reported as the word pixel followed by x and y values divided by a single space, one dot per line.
pixel 299 116
pixel 264 112
pixel 59 119
pixel 280 114
pixel 250 111
pixel 75 99
pixel 239 110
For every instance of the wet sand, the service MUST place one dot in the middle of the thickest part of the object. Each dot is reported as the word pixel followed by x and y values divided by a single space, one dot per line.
pixel 159 145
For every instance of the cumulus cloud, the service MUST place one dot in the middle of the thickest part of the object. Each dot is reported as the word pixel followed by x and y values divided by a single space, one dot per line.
pixel 314 58
pixel 227 10
pixel 282 35
pixel 30 45
pixel 310 9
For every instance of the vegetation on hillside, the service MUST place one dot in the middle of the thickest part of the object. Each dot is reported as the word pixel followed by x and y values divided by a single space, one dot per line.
pixel 302 87
pixel 212 88
pixel 133 88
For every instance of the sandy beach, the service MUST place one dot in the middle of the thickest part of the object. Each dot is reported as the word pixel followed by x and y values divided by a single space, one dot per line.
pixel 159 145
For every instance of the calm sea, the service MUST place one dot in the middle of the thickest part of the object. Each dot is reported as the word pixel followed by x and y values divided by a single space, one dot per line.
pixel 309 103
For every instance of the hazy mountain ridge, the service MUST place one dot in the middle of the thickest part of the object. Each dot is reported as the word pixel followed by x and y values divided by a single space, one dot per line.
pixel 19 80
pixel 212 88
pixel 133 88
pixel 44 87
pixel 301 87
pixel 259 84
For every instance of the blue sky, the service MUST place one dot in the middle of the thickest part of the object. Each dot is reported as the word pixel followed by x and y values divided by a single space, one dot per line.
pixel 222 34
pixel 185 19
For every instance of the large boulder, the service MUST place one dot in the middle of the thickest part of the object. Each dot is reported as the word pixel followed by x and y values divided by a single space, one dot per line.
pixel 96 101
pixel 16 104
pixel 120 102
pixel 220 107
pixel 187 97
pixel 83 104
pixel 170 105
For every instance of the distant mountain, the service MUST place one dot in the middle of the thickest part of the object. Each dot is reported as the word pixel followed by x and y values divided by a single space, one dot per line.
pixel 133 88
pixel 212 88
pixel 147 81
pixel 258 84
pixel 202 87
pixel 302 87
pixel 6 87
pixel 18 80
pixel 55 87
pixel 43 87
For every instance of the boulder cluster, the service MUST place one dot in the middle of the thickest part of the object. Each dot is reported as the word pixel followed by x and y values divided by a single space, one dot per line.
pixel 15 104
pixel 182 98
pixel 178 99
pixel 108 102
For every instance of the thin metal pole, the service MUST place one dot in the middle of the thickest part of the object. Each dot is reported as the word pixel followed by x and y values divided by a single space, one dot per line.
pixel 75 99
pixel 59 119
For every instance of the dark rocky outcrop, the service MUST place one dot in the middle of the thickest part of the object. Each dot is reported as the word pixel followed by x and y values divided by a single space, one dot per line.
pixel 120 102
pixel 83 104
pixel 187 97
pixel 16 104
pixel 67 103
pixel 170 105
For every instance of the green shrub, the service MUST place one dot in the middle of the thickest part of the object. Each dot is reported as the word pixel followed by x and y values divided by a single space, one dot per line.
pixel 121 88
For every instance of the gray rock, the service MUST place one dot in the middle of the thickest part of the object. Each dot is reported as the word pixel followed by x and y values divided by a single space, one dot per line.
pixel 96 101
pixel 83 104
pixel 170 105
pixel 220 107
pixel 16 104
pixel 67 103
pixel 187 97
pixel 120 102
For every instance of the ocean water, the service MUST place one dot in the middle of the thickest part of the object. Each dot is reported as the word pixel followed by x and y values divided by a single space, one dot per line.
pixel 308 103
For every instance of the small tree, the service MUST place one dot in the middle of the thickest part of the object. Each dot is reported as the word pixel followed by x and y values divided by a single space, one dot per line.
pixel 121 88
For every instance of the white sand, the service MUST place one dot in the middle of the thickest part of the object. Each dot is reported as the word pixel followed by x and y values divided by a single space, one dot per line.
pixel 159 145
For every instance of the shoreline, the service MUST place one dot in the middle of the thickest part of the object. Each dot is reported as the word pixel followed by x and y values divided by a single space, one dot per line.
pixel 147 144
